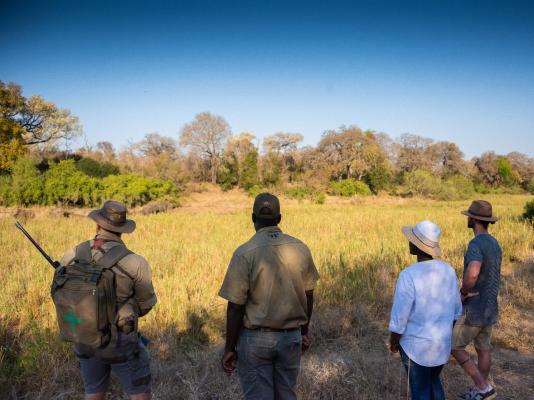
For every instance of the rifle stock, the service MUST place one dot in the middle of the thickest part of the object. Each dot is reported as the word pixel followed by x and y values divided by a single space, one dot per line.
pixel 53 263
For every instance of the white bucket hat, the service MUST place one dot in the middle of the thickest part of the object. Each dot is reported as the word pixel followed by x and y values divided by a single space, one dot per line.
pixel 425 236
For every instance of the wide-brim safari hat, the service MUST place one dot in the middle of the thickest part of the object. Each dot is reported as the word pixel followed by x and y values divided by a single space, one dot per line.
pixel 425 236
pixel 481 210
pixel 112 217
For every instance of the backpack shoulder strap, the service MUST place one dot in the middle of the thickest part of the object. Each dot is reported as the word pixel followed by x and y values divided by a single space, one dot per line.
pixel 83 252
pixel 113 256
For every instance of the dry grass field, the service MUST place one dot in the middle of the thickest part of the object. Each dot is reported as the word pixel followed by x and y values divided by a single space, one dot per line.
pixel 358 248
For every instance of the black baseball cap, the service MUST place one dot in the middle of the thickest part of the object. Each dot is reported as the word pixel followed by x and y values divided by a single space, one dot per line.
pixel 266 206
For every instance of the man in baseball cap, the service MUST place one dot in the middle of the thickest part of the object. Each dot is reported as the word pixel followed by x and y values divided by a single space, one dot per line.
pixel 480 288
pixel 269 287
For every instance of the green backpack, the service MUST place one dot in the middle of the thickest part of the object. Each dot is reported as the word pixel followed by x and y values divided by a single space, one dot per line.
pixel 84 294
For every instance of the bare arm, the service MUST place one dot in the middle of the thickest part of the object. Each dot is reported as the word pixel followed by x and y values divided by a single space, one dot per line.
pixel 471 275
pixel 234 323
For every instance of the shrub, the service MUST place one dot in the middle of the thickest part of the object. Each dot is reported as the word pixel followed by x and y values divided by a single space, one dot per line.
pixel 255 190
pixel 136 190
pixel 529 211
pixel 457 187
pixel 319 198
pixel 67 186
pixel 5 190
pixel 96 169
pixel 349 188
pixel 530 185
pixel 27 183
pixel 249 171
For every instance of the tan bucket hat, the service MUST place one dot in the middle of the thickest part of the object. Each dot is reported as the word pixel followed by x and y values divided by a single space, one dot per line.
pixel 425 236
pixel 112 217
pixel 481 210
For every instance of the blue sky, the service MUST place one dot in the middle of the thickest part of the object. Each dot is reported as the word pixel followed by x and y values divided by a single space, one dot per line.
pixel 461 71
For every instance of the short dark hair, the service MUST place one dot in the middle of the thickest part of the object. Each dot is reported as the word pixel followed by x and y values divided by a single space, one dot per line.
pixel 485 224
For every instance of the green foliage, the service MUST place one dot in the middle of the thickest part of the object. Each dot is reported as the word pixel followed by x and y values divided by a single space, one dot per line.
pixel 530 186
pixel 271 169
pixel 228 175
pixel 65 185
pixel 5 190
pixel 349 188
pixel 136 190
pixel 378 178
pixel 306 193
pixel 460 187
pixel 528 213
pixel 91 167
pixel 508 176
pixel 27 183
pixel 255 190
pixel 249 171
pixel 424 184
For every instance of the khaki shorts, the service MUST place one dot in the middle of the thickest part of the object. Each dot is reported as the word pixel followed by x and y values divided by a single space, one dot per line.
pixel 464 334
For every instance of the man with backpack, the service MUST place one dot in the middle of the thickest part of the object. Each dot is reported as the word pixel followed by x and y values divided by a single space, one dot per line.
pixel 100 291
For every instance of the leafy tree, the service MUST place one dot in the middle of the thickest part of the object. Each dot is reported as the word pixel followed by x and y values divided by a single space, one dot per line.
pixel 207 134
pixel 33 120
pixel 508 176
pixel 136 190
pixel 228 176
pixel 271 170
pixel 249 171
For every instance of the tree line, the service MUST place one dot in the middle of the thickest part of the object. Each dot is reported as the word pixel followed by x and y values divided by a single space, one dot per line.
pixel 347 161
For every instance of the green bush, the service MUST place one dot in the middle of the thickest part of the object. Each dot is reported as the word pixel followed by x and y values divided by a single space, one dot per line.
pixel 136 190
pixel 529 211
pixel 306 193
pixel 457 187
pixel 255 190
pixel 5 190
pixel 530 186
pixel 65 185
pixel 319 198
pixel 249 171
pixel 349 188
pixel 27 183
pixel 96 169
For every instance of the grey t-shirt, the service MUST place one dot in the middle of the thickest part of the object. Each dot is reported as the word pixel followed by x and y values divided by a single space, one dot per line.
pixel 483 309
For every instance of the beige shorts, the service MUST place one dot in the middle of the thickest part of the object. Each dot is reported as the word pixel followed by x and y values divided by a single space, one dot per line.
pixel 464 334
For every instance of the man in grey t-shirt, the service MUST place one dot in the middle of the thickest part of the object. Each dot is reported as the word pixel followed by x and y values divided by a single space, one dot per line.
pixel 480 288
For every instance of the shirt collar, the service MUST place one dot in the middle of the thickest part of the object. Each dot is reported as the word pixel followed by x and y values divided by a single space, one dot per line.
pixel 269 229
pixel 108 236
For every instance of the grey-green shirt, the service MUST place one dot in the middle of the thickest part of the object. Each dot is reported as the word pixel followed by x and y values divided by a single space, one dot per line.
pixel 270 275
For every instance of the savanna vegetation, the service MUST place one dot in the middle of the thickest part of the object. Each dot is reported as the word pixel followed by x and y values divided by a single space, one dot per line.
pixel 36 138
pixel 359 250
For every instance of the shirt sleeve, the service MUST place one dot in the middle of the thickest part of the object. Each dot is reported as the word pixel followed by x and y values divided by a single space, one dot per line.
pixel 235 286
pixel 312 275
pixel 67 257
pixel 473 253
pixel 402 304
pixel 145 295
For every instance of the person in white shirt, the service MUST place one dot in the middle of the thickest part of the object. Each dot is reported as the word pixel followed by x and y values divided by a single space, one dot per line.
pixel 425 306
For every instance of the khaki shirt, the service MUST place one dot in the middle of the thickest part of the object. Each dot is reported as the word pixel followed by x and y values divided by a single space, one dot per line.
pixel 270 275
pixel 144 297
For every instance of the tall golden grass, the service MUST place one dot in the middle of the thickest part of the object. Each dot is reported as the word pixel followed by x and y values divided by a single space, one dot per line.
pixel 359 250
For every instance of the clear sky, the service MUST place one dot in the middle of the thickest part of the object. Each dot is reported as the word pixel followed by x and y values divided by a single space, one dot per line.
pixel 461 71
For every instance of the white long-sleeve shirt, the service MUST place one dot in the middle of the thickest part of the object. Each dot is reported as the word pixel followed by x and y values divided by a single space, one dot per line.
pixel 427 301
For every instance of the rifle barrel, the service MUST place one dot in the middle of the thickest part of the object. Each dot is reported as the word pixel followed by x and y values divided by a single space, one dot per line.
pixel 46 256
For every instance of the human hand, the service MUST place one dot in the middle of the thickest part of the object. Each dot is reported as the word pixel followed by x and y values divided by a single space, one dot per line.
pixel 229 362
pixel 394 340
pixel 464 297
pixel 306 342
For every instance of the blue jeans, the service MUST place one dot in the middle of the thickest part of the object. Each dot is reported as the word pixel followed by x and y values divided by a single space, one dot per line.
pixel 269 364
pixel 424 382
